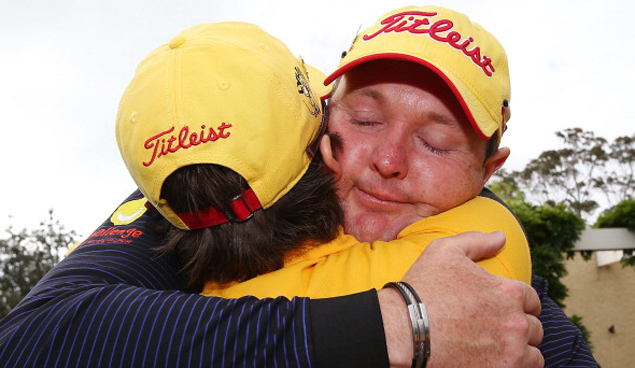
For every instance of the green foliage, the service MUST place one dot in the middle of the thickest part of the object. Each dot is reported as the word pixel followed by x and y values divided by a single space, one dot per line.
pixel 26 256
pixel 586 334
pixel 507 188
pixel 551 231
pixel 621 215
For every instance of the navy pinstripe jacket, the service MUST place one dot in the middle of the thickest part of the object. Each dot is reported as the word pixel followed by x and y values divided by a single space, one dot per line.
pixel 113 303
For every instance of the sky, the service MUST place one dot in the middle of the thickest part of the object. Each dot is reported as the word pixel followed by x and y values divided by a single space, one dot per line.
pixel 64 65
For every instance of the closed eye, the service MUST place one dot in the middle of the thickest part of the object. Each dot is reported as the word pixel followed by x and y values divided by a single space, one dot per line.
pixel 433 149
pixel 362 123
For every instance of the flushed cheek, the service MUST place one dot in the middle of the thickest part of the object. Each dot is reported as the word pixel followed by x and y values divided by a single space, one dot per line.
pixel 439 188
pixel 354 164
pixel 357 150
pixel 344 186
pixel 454 191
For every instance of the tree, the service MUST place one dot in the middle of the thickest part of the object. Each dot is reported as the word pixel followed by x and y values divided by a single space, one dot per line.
pixel 551 231
pixel 587 169
pixel 26 256
pixel 619 183
pixel 621 215
pixel 566 175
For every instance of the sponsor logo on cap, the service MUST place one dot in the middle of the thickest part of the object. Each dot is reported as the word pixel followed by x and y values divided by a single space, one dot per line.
pixel 305 89
pixel 418 23
pixel 165 142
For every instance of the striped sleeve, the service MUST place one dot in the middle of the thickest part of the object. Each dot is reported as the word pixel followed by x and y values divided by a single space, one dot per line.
pixel 563 344
pixel 114 303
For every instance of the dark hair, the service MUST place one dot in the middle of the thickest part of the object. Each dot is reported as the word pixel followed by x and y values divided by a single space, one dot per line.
pixel 308 215
pixel 492 146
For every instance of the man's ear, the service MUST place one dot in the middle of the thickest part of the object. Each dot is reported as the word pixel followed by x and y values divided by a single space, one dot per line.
pixel 494 162
pixel 329 159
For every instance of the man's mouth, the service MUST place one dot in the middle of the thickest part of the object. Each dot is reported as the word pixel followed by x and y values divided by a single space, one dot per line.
pixel 374 198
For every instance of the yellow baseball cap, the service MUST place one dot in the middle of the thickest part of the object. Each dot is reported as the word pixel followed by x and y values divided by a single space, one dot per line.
pixel 227 94
pixel 471 61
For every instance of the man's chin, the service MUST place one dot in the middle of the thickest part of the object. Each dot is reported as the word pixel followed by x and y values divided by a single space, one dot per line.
pixel 371 226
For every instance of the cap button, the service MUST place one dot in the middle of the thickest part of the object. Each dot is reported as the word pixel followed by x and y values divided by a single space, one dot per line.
pixel 176 42
pixel 223 84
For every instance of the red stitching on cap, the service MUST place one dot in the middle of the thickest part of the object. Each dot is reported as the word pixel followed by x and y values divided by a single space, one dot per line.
pixel 185 139
pixel 399 23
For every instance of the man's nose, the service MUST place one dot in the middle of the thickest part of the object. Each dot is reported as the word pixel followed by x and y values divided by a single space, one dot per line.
pixel 390 158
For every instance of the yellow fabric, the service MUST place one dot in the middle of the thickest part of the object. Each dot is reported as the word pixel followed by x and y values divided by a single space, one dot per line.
pixel 225 93
pixel 468 57
pixel 346 266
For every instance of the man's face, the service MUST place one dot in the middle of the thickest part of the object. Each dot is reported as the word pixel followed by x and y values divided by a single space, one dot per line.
pixel 408 151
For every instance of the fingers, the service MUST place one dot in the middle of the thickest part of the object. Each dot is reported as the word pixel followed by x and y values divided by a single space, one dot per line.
pixel 527 354
pixel 475 245
pixel 531 301
pixel 534 359
pixel 535 331
pixel 507 329
pixel 521 294
pixel 532 306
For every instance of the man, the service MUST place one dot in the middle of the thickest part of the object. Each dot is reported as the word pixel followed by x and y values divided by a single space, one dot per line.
pixel 506 352
pixel 417 90
pixel 409 113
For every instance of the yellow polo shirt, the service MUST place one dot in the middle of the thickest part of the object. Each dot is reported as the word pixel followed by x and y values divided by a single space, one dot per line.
pixel 345 265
